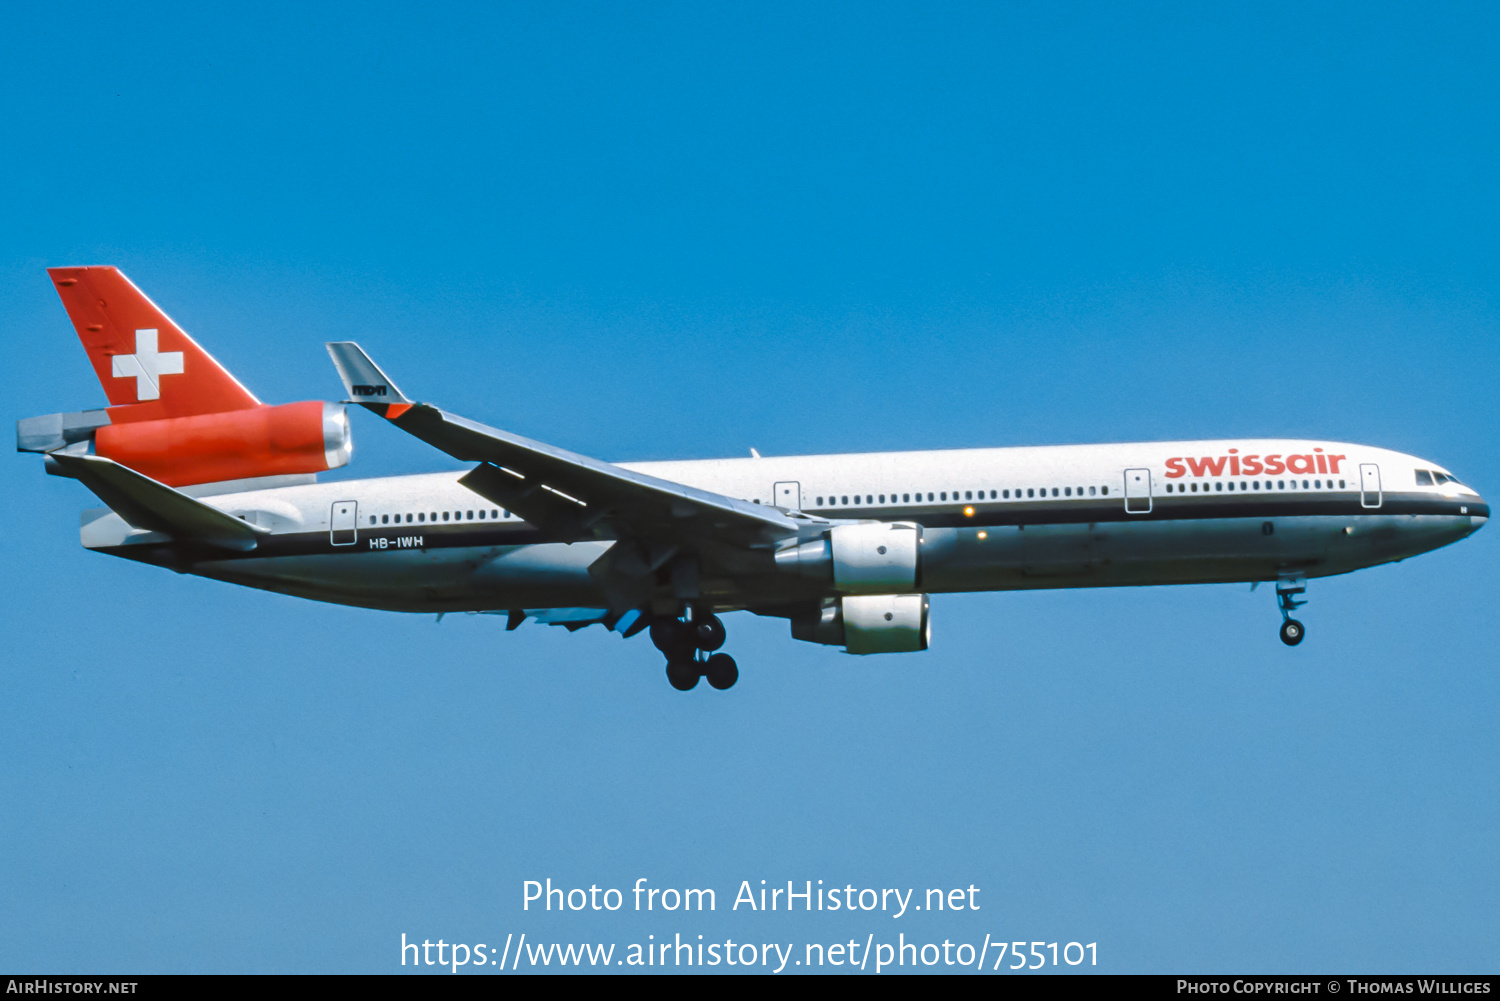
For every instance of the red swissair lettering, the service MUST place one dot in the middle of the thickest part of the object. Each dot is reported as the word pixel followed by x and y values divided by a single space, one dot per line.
pixel 1252 465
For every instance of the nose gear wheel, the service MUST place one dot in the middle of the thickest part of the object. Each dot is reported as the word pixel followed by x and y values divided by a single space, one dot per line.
pixel 1287 590
pixel 1292 632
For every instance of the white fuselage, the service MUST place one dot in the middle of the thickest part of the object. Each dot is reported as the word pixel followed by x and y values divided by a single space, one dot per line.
pixel 992 519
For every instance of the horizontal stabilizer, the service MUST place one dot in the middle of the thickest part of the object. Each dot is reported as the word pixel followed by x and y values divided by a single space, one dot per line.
pixel 145 503
pixel 363 380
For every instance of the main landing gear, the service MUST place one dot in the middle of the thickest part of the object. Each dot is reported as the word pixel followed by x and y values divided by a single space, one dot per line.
pixel 1287 589
pixel 689 645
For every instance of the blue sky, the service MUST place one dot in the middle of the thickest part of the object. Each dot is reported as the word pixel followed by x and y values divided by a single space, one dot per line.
pixel 674 231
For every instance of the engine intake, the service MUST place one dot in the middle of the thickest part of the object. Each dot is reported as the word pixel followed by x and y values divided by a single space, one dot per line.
pixel 869 623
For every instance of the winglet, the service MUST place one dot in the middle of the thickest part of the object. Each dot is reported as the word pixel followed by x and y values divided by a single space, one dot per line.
pixel 364 381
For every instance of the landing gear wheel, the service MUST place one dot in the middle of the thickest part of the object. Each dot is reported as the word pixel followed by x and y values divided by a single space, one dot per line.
pixel 709 633
pixel 721 670
pixel 673 638
pixel 683 673
pixel 1292 632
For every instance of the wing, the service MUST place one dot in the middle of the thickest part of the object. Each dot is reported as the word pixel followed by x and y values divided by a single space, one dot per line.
pixel 567 495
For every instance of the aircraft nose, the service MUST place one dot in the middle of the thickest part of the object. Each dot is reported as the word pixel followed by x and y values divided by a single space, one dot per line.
pixel 1479 513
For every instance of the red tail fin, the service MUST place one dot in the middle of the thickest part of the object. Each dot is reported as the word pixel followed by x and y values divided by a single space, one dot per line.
pixel 148 366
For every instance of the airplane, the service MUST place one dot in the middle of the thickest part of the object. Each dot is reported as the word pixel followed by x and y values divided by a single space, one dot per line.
pixel 199 476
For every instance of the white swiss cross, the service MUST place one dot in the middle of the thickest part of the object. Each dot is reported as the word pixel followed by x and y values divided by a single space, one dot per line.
pixel 147 365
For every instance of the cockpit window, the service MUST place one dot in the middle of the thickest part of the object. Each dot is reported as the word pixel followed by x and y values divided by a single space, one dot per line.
pixel 1424 478
pixel 1442 477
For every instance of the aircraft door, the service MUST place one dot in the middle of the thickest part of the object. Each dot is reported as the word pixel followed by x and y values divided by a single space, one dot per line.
pixel 1137 491
pixel 788 495
pixel 343 522
pixel 1369 485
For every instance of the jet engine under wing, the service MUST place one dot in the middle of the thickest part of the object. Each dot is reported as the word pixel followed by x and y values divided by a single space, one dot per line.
pixel 567 495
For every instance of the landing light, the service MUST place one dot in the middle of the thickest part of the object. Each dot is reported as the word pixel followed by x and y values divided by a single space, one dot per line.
pixel 983 534
pixel 969 511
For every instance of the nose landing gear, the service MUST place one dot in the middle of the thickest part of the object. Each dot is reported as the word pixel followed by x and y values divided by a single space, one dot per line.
pixel 689 646
pixel 1287 589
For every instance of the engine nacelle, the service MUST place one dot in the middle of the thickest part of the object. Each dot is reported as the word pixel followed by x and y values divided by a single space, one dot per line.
pixel 306 437
pixel 873 558
pixel 869 623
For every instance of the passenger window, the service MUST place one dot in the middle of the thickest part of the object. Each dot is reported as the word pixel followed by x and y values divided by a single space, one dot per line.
pixel 1054 491
pixel 1304 484
pixel 1218 487
pixel 385 519
pixel 1341 484
pixel 421 516
pixel 1030 491
pixel 372 519
pixel 906 498
pixel 869 499
pixel 1005 494
pixel 1104 491
pixel 1424 478
pixel 445 515
pixel 1068 491
pixel 1281 484
pixel 845 500
pixel 1091 491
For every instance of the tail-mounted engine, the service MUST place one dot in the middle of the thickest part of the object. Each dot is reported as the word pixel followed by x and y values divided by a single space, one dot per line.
pixel 871 558
pixel 869 623
pixel 306 437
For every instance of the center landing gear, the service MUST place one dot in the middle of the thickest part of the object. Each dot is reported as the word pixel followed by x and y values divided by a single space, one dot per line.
pixel 1287 589
pixel 689 646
